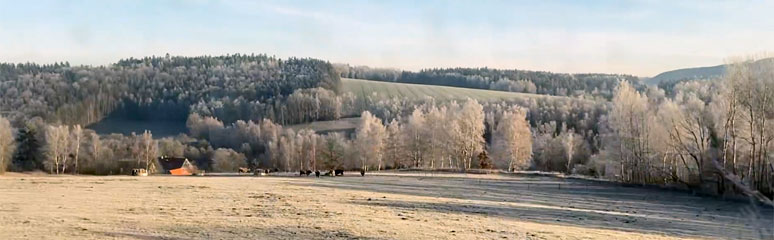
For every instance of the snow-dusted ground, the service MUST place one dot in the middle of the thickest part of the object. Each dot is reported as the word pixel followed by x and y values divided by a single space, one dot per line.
pixel 414 205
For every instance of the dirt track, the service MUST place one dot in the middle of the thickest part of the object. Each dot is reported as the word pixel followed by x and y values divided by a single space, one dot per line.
pixel 379 206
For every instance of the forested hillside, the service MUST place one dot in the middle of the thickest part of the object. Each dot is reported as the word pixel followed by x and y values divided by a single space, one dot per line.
pixel 586 85
pixel 156 87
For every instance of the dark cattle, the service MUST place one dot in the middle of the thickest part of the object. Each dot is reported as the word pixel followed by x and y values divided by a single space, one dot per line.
pixel 139 172
pixel 362 172
pixel 317 173
pixel 339 172
pixel 302 173
pixel 308 172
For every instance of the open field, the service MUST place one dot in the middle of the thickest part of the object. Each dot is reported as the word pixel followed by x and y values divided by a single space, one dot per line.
pixel 418 91
pixel 378 206
pixel 341 125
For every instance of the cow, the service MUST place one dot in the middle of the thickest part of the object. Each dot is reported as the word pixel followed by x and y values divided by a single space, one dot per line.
pixel 317 173
pixel 301 173
pixel 139 172
pixel 243 170
pixel 339 172
pixel 362 173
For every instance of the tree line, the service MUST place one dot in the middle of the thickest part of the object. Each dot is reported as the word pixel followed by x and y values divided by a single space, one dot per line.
pixel 584 85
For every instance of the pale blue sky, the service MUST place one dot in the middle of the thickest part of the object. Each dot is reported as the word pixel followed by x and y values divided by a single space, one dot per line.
pixel 634 37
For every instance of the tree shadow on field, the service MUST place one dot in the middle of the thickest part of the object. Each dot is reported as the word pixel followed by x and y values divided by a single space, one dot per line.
pixel 571 202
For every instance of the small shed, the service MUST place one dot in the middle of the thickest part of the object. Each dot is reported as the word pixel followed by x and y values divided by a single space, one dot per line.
pixel 176 166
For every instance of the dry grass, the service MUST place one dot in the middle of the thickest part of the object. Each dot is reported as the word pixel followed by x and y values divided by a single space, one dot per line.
pixel 379 206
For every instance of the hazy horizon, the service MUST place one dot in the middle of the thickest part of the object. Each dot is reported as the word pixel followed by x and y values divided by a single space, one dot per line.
pixel 641 38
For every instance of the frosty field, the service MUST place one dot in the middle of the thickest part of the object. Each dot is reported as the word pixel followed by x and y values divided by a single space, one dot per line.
pixel 378 206
pixel 385 90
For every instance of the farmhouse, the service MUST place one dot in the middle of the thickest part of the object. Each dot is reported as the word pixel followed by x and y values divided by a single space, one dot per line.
pixel 176 166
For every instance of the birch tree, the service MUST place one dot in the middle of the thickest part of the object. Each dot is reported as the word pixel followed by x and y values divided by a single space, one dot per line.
pixel 512 141
pixel 630 122
pixel 414 138
pixel 56 148
pixel 94 147
pixel 748 97
pixel 394 145
pixel 437 135
pixel 569 142
pixel 467 132
pixel 76 135
pixel 149 149
pixel 6 144
pixel 370 136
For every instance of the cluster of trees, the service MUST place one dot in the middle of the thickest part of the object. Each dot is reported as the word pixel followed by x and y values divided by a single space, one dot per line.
pixel 60 93
pixel 705 132
pixel 302 106
pixel 63 149
pixel 448 135
pixel 365 72
pixel 72 149
pixel 589 86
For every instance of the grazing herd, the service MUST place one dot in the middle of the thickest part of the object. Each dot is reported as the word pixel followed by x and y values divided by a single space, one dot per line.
pixel 317 173
pixel 331 173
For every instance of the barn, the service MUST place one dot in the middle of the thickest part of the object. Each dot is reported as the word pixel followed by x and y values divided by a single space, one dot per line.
pixel 176 166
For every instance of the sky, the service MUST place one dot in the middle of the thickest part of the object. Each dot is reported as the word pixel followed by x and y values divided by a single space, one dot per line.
pixel 642 38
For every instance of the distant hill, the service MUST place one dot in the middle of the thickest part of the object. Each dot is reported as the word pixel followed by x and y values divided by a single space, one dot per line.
pixel 704 73
pixel 688 73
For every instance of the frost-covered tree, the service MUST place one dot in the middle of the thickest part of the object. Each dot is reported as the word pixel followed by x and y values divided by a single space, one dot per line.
pixel 631 122
pixel 512 141
pixel 467 132
pixel 569 142
pixel 148 149
pixel 57 148
pixel 227 160
pixel 370 137
pixel 394 149
pixel 6 144
pixel 437 135
pixel 76 137
pixel 747 97
pixel 415 141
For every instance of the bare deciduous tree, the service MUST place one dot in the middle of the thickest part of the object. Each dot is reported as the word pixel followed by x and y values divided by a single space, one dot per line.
pixel 467 132
pixel 6 144
pixel 76 135
pixel 512 141
pixel 370 139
